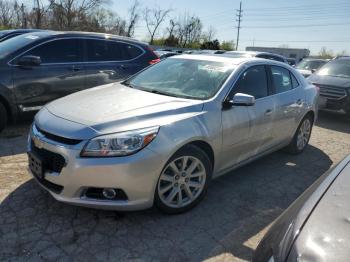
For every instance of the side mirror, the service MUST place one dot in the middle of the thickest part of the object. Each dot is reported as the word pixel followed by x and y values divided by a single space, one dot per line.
pixel 239 99
pixel 29 60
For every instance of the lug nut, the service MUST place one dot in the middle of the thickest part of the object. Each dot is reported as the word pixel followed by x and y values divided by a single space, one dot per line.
pixel 177 177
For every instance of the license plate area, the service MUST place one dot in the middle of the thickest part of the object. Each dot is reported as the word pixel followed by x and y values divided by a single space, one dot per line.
pixel 36 165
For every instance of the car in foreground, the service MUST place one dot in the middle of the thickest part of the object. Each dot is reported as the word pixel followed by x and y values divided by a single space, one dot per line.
pixel 308 66
pixel 265 55
pixel 316 226
pixel 333 80
pixel 162 135
pixel 39 67
pixel 7 34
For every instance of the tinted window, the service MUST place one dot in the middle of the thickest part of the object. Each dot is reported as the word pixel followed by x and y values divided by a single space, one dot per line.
pixel 59 51
pixel 101 50
pixel 131 51
pixel 12 45
pixel 271 57
pixel 253 82
pixel 281 79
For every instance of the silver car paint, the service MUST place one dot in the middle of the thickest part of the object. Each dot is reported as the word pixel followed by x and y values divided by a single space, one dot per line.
pixel 236 136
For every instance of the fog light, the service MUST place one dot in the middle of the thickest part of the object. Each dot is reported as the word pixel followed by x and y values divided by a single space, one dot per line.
pixel 109 193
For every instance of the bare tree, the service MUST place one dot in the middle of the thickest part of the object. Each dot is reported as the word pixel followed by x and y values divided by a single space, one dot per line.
pixel 154 18
pixel 70 12
pixel 189 31
pixel 134 16
pixel 7 13
pixel 172 27
pixel 39 11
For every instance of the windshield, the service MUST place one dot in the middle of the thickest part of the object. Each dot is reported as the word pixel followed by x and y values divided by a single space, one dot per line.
pixel 11 45
pixel 187 78
pixel 338 68
pixel 310 65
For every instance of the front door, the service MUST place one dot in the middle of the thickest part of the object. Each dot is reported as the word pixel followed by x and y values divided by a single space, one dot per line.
pixel 60 73
pixel 247 129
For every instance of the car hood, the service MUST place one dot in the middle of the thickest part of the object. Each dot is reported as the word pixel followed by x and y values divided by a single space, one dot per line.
pixel 114 108
pixel 325 236
pixel 330 80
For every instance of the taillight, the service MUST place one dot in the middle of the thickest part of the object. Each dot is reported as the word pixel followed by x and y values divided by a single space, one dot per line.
pixel 154 61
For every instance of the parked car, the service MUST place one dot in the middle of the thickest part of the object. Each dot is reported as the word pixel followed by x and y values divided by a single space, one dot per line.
pixel 7 34
pixel 160 136
pixel 333 80
pixel 265 55
pixel 308 66
pixel 165 54
pixel 291 61
pixel 39 67
pixel 316 226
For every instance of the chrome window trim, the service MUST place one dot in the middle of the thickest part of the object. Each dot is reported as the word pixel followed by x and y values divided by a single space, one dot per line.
pixel 82 62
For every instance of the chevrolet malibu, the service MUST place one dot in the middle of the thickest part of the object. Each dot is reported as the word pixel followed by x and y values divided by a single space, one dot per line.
pixel 162 135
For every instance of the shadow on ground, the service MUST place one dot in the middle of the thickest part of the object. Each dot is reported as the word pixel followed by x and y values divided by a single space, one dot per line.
pixel 333 121
pixel 33 226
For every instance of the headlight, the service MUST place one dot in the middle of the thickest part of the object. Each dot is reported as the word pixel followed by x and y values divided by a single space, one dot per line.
pixel 119 144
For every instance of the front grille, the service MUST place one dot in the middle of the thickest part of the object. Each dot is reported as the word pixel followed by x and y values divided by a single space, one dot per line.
pixel 60 139
pixel 332 92
pixel 52 161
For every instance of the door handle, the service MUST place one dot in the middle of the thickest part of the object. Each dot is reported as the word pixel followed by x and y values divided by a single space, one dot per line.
pixel 268 112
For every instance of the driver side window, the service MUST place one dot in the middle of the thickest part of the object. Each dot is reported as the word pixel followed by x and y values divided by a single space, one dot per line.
pixel 252 82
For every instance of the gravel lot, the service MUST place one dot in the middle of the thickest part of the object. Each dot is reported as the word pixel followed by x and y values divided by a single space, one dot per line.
pixel 226 226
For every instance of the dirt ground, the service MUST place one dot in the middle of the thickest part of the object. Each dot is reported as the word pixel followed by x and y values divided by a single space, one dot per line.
pixel 226 226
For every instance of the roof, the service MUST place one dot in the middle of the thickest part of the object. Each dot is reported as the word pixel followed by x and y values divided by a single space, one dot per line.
pixel 44 33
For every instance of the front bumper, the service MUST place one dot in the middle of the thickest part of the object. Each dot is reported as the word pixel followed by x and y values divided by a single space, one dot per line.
pixel 136 175
pixel 340 105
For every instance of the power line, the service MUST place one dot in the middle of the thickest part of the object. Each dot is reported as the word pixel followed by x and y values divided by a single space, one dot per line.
pixel 239 15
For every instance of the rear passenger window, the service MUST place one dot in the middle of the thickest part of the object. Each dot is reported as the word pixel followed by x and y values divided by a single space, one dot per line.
pixel 295 82
pixel 131 51
pixel 281 79
pixel 253 82
pixel 101 50
pixel 59 51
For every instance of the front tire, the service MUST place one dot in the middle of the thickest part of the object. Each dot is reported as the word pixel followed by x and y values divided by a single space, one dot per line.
pixel 301 137
pixel 184 180
pixel 3 117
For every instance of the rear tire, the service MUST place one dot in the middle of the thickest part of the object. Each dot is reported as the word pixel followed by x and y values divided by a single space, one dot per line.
pixel 3 117
pixel 183 181
pixel 301 137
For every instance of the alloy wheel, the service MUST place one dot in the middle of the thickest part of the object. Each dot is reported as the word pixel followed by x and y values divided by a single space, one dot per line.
pixel 304 134
pixel 182 181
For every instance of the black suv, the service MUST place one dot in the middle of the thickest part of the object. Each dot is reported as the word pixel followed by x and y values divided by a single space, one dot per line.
pixel 36 68
pixel 333 80
pixel 7 34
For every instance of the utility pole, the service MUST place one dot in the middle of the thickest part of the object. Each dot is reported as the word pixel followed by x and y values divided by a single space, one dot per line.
pixel 239 20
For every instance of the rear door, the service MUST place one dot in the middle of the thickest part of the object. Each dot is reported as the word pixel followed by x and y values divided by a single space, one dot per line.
pixel 289 100
pixel 110 61
pixel 60 73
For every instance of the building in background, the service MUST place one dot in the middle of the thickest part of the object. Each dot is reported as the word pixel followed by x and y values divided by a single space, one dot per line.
pixel 295 53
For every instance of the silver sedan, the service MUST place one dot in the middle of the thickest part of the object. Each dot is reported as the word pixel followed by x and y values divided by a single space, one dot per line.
pixel 162 135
